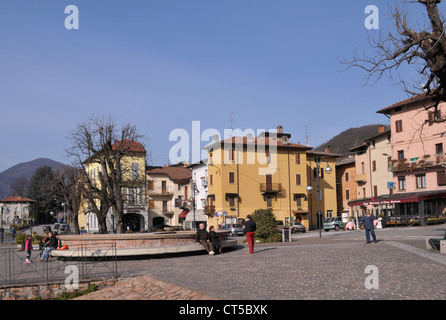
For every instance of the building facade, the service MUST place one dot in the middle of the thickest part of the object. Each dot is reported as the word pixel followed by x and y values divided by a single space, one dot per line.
pixel 15 209
pixel 268 171
pixel 199 184
pixel 168 190
pixel 346 186
pixel 133 164
pixel 417 160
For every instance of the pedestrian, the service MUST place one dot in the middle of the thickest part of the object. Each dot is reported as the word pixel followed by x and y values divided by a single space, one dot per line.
pixel 28 248
pixel 367 222
pixel 250 228
pixel 50 244
pixel 214 239
pixel 202 237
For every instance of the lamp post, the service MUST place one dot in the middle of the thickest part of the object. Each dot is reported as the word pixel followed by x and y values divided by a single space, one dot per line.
pixel 310 188
pixel 192 201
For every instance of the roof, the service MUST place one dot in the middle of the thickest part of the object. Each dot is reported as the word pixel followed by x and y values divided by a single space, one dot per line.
pixel 345 161
pixel 324 154
pixel 407 102
pixel 175 173
pixel 17 199
pixel 128 146
pixel 260 141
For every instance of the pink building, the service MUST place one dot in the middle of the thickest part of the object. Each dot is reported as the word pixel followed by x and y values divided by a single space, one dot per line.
pixel 417 161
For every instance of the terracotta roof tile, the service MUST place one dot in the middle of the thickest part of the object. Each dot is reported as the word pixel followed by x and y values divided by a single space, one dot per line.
pixel 17 199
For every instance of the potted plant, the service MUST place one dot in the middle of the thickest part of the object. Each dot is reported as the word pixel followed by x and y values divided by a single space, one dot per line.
pixel 20 240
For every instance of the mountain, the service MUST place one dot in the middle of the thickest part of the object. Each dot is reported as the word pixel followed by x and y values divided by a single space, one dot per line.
pixel 350 138
pixel 25 169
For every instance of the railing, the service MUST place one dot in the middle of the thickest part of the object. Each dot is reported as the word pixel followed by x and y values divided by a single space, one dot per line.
pixel 87 261
pixel 270 187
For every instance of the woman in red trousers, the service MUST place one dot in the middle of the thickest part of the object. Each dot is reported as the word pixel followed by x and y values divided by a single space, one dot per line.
pixel 250 228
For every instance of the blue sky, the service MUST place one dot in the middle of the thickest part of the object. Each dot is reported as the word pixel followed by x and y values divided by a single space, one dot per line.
pixel 161 64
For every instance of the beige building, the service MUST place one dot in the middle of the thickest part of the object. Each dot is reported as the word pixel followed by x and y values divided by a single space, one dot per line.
pixel 168 188
pixel 374 177
pixel 15 209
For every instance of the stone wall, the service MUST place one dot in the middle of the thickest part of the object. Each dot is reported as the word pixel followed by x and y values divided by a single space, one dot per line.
pixel 46 291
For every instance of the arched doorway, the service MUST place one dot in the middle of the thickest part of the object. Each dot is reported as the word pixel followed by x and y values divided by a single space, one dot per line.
pixel 133 222
pixel 158 221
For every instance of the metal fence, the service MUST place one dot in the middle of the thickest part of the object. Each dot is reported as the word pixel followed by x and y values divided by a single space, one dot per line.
pixel 86 261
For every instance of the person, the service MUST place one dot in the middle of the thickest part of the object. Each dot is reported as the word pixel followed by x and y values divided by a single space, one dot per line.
pixel 50 243
pixel 28 248
pixel 250 228
pixel 202 237
pixel 367 222
pixel 214 239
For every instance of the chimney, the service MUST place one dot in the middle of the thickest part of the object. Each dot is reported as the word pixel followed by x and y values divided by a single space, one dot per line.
pixel 381 129
pixel 279 129
pixel 327 148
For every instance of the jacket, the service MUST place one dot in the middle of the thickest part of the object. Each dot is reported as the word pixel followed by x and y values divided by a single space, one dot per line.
pixel 214 238
pixel 367 222
pixel 28 245
pixel 202 235
pixel 53 242
pixel 250 225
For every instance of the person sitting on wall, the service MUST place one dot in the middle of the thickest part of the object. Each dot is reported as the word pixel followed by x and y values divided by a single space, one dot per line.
pixel 202 237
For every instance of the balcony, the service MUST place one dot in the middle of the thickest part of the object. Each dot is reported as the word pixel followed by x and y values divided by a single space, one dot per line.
pixel 361 178
pixel 270 188
pixel 209 210
pixel 159 192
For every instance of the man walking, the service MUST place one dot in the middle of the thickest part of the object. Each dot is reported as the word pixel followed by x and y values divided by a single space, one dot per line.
pixel 367 222
pixel 250 228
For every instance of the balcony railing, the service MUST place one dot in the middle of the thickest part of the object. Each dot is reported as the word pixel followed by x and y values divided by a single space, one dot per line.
pixel 270 187
pixel 209 210
pixel 160 192
pixel 361 178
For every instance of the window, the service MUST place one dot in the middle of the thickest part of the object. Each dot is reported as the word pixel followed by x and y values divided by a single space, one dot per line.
pixel 211 180
pixel 231 155
pixel 297 158
pixel 347 194
pixel 232 201
pixel 134 171
pixel 421 181
pixel 400 154
pixel 299 201
pixel 362 167
pixel 298 180
pixel 231 177
pixel 375 191
pixel 347 177
pixel 269 202
pixel 151 204
pixel 441 178
pixel 374 165
pixel 402 183
pixel 399 126
pixel 439 148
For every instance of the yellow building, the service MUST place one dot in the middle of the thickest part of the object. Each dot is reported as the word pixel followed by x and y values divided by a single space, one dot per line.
pixel 247 173
pixel 321 166
pixel 133 168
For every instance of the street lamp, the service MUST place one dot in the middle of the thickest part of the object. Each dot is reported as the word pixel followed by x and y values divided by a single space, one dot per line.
pixel 310 189
pixel 192 200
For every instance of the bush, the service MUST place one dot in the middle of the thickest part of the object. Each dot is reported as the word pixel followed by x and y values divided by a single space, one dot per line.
pixel 266 224
pixel 21 238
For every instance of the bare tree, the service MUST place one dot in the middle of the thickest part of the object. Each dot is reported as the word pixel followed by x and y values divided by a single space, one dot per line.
pixel 68 182
pixel 100 141
pixel 424 49
pixel 19 187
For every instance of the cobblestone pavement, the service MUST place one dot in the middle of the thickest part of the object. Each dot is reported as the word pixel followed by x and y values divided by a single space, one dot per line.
pixel 306 269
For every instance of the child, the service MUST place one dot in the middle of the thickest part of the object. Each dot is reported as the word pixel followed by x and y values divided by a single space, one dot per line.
pixel 28 248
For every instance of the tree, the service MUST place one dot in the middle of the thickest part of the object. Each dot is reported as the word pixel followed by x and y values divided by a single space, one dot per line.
pixel 41 189
pixel 19 187
pixel 266 223
pixel 69 184
pixel 100 141
pixel 424 49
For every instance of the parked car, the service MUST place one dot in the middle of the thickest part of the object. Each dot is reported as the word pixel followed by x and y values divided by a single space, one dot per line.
pixel 298 227
pixel 234 229
pixel 333 223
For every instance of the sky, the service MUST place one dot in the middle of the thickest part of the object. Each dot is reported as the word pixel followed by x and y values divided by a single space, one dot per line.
pixel 162 64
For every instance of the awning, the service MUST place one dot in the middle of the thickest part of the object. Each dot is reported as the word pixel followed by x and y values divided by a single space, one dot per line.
pixel 375 202
pixel 184 214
